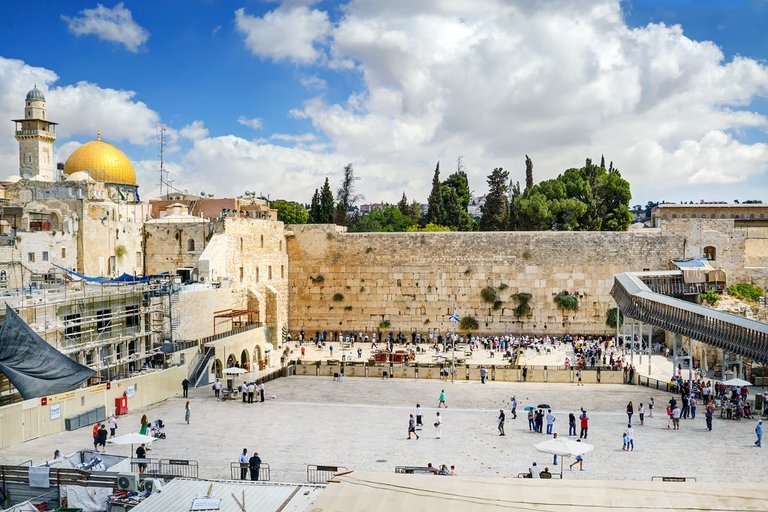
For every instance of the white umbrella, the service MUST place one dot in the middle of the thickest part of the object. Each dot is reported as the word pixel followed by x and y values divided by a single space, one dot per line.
pixel 235 371
pixel 737 382
pixel 132 439
pixel 564 447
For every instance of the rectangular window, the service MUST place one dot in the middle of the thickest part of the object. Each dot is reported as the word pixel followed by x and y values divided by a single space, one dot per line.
pixel 103 320
pixel 63 253
pixel 282 271
pixel 72 325
pixel 132 316
pixel 269 272
pixel 31 257
pixel 257 274
pixel 45 255
pixel 241 274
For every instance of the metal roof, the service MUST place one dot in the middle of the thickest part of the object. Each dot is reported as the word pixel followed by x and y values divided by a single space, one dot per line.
pixel 178 495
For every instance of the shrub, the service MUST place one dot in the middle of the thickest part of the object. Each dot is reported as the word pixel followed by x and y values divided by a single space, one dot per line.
pixel 120 251
pixel 566 302
pixel 497 304
pixel 745 291
pixel 337 297
pixel 317 280
pixel 347 308
pixel 611 317
pixel 468 323
pixel 385 324
pixel 523 304
pixel 488 294
pixel 710 297
pixel 503 286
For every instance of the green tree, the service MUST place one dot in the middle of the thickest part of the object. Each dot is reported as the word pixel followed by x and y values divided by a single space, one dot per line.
pixel 346 196
pixel 496 207
pixel 325 215
pixel 290 212
pixel 314 208
pixel 386 219
pixel 430 228
pixel 435 213
pixel 528 173
pixel 455 194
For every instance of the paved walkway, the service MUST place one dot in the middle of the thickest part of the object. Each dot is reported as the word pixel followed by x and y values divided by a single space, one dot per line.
pixel 361 423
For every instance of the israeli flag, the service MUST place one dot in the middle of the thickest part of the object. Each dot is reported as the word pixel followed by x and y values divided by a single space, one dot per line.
pixel 454 317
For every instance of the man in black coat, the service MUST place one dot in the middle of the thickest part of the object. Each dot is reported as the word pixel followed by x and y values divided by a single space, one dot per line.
pixel 254 464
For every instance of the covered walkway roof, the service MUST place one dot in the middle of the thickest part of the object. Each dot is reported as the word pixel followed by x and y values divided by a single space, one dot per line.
pixel 733 333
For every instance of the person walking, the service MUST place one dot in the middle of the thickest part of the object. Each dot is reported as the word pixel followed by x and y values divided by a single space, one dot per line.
pixel 101 439
pixel 441 403
pixel 438 426
pixel 514 408
pixel 531 421
pixel 483 374
pixel 584 425
pixel 630 433
pixel 759 434
pixel 630 411
pixel 186 412
pixel 500 421
pixel 251 390
pixel 262 391
pixel 708 416
pixel 579 376
pixel 112 426
pixel 550 421
pixel 676 413
pixel 243 464
pixel 412 427
pixel 254 464
pixel 418 416
pixel 244 393
pixel 571 424
pixel 185 388
pixel 641 413
pixel 650 408
pixel 217 389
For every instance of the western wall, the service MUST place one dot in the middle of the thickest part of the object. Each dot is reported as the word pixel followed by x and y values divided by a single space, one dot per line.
pixel 354 281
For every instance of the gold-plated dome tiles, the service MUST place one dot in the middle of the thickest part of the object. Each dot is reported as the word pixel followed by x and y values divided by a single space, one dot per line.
pixel 103 162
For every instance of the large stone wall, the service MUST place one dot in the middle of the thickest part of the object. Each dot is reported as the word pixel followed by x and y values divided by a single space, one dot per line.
pixel 414 279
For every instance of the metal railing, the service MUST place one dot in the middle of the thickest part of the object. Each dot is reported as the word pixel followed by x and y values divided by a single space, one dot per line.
pixel 317 474
pixel 167 468
pixel 236 472
pixel 58 476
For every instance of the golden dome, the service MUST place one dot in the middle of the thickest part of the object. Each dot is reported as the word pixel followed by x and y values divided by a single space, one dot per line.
pixel 103 162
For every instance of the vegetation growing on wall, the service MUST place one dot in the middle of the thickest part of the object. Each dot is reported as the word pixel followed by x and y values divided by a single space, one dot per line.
pixel 385 324
pixel 468 323
pixel 488 294
pixel 318 279
pixel 337 297
pixel 614 318
pixel 120 251
pixel 523 308
pixel 566 302
pixel 497 304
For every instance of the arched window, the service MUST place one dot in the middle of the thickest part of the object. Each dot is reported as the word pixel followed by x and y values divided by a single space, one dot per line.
pixel 684 216
pixel 190 245
pixel 710 253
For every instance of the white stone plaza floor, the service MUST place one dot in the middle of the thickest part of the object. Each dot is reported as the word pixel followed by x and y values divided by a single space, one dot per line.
pixel 361 424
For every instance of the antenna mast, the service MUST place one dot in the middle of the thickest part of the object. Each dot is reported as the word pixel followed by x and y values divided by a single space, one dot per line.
pixel 162 163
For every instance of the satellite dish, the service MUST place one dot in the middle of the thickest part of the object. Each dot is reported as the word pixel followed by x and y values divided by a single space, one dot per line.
pixel 202 194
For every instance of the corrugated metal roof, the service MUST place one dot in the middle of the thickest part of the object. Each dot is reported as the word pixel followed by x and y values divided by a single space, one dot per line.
pixel 178 494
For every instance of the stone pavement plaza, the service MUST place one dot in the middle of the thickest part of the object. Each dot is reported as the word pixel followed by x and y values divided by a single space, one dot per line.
pixel 361 424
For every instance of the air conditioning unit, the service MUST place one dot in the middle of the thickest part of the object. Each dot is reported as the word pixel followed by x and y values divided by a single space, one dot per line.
pixel 128 482
pixel 153 485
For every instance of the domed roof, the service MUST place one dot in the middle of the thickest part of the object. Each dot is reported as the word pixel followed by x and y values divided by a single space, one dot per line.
pixel 103 161
pixel 35 94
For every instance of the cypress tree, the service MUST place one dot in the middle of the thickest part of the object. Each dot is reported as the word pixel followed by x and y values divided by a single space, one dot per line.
pixel 326 204
pixel 528 173
pixel 496 207
pixel 314 208
pixel 435 213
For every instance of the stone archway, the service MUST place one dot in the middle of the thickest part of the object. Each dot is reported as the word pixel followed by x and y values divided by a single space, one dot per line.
pixel 231 361
pixel 245 360
pixel 216 368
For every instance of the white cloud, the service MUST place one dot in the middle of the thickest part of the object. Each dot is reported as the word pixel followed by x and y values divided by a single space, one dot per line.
pixel 115 25
pixel 194 131
pixel 290 32
pixel 313 82
pixel 289 137
pixel 251 122
pixel 495 80
pixel 80 109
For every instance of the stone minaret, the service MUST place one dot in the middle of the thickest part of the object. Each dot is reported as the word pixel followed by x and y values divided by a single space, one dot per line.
pixel 36 136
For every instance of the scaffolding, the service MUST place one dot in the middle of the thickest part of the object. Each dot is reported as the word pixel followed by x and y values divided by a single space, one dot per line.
pixel 116 329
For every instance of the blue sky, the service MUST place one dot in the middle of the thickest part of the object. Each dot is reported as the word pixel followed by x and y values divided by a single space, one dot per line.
pixel 272 97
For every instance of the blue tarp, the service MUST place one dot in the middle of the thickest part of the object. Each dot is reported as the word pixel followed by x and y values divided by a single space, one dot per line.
pixel 124 278
pixel 697 263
